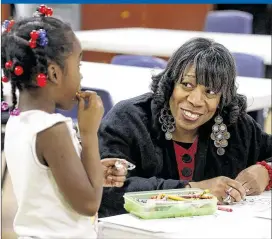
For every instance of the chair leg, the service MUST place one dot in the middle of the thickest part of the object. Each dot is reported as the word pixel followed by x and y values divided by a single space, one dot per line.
pixel 268 124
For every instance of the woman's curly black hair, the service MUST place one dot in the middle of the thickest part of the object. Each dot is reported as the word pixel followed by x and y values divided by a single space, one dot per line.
pixel 15 47
pixel 215 68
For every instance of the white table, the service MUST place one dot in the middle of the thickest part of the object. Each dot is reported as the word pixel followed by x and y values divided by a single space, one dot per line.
pixel 124 82
pixel 163 42
pixel 241 223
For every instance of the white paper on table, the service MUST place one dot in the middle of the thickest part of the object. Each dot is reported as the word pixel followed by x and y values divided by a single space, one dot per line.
pixel 207 227
pixel 225 228
pixel 266 214
pixel 154 225
pixel 129 220
pixel 254 205
pixel 171 225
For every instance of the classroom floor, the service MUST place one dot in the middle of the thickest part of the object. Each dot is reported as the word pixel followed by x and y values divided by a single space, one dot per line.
pixel 9 204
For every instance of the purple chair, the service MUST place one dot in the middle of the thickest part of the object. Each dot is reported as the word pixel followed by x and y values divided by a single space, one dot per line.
pixel 229 21
pixel 141 61
pixel 251 66
pixel 106 99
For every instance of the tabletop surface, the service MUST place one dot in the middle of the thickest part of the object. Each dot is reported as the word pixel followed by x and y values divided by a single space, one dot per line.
pixel 163 42
pixel 124 82
pixel 243 222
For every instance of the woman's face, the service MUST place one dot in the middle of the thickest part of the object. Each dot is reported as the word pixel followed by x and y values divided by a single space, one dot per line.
pixel 192 105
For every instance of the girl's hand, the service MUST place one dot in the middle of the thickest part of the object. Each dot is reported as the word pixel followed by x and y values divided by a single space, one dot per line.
pixel 90 112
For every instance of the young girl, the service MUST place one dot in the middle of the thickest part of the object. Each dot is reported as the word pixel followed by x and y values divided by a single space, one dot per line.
pixel 57 193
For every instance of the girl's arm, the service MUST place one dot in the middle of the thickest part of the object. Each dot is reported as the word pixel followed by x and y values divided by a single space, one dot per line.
pixel 81 182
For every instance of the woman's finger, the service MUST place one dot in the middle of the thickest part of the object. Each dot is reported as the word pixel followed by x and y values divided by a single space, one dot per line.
pixel 252 189
pixel 116 178
pixel 252 192
pixel 238 187
pixel 117 184
pixel 235 195
pixel 111 162
pixel 117 172
pixel 112 183
pixel 248 188
pixel 121 172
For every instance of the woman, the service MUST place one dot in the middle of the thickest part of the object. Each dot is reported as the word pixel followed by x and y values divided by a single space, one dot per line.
pixel 192 131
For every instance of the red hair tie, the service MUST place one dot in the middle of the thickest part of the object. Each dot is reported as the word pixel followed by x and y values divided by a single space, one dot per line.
pixel 38 37
pixel 7 25
pixel 45 11
pixel 8 65
pixel 41 80
pixel 5 79
pixel 18 70
pixel 34 35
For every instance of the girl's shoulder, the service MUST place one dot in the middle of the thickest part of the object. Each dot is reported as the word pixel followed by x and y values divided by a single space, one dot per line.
pixel 37 120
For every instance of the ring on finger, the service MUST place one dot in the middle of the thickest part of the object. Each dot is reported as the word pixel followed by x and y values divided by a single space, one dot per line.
pixel 247 190
pixel 227 199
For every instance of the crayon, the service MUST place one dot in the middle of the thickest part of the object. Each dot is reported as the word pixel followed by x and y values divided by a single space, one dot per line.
pixel 225 209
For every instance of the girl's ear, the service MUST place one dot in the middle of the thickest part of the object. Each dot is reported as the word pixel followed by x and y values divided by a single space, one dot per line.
pixel 55 73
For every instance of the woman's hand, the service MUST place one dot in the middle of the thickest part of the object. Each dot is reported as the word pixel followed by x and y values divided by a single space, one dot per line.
pixel 113 177
pixel 224 188
pixel 254 179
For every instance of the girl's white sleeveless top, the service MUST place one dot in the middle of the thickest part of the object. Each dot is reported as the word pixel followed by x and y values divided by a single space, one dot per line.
pixel 42 210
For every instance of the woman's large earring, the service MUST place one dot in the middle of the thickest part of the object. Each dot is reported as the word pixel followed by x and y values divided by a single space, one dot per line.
pixel 220 135
pixel 167 122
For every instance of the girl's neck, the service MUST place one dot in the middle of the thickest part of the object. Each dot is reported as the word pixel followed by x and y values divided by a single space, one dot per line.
pixel 35 101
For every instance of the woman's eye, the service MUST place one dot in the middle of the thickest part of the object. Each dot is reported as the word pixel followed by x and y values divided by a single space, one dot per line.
pixel 211 92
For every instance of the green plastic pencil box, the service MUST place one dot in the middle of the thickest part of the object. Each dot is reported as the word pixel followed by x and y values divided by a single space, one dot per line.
pixel 139 204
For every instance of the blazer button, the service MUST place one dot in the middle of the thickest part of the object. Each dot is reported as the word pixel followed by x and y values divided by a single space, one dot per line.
pixel 186 158
pixel 186 172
